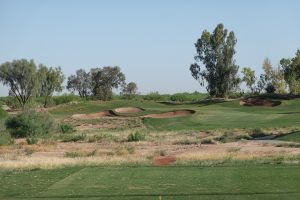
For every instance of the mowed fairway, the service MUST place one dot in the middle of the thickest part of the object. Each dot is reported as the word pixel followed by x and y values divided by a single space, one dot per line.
pixel 177 182
pixel 208 116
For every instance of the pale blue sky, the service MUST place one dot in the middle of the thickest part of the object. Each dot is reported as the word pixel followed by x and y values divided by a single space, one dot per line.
pixel 152 41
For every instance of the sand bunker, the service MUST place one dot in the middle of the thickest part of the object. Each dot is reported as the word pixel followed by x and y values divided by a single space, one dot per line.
pixel 93 115
pixel 175 113
pixel 259 102
pixel 128 110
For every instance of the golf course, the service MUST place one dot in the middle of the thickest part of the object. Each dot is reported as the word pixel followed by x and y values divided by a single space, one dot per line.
pixel 149 100
pixel 174 160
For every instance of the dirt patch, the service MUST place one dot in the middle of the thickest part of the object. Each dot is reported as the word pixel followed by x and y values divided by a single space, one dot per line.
pixel 175 113
pixel 164 161
pixel 129 110
pixel 10 110
pixel 93 115
pixel 259 102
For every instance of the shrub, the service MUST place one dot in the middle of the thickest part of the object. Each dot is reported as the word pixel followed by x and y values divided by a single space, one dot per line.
pixel 6 139
pixel 207 141
pixel 65 99
pixel 32 140
pixel 257 132
pixel 73 154
pixel 135 137
pixel 66 128
pixel 154 96
pixel 73 137
pixel 29 124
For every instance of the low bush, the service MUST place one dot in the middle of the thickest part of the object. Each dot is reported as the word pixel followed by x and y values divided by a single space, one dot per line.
pixel 57 100
pixel 6 139
pixel 135 137
pixel 182 97
pixel 257 132
pixel 207 140
pixel 153 96
pixel 73 154
pixel 66 128
pixel 29 124
pixel 73 137
pixel 32 140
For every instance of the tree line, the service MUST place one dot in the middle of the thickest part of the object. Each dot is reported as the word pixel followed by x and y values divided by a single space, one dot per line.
pixel 215 67
pixel 27 80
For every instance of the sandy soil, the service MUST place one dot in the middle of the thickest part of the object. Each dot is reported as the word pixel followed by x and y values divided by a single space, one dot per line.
pixel 45 155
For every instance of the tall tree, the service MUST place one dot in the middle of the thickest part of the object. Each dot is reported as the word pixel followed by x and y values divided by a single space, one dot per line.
pixel 249 78
pixel 104 80
pixel 81 83
pixel 50 81
pixel 20 77
pixel 291 71
pixel 273 78
pixel 129 90
pixel 216 52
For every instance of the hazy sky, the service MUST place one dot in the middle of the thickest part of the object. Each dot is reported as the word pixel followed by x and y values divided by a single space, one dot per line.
pixel 152 41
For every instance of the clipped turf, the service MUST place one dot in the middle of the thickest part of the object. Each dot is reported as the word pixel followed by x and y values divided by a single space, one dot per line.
pixel 208 116
pixel 178 182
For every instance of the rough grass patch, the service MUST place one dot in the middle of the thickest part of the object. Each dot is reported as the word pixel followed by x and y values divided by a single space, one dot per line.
pixel 6 139
pixel 288 144
pixel 135 137
pixel 73 137
pixel 66 128
pixel 32 140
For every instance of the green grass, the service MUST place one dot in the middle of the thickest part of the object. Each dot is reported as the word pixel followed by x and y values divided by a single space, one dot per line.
pixel 292 137
pixel 208 116
pixel 179 182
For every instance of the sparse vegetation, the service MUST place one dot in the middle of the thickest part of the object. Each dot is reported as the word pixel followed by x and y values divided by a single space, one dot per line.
pixel 66 128
pixel 136 136
pixel 73 137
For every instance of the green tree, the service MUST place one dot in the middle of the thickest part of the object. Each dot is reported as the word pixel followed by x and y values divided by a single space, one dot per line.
pixel 216 52
pixel 50 81
pixel 20 77
pixel 249 78
pixel 273 78
pixel 291 71
pixel 129 90
pixel 104 80
pixel 81 83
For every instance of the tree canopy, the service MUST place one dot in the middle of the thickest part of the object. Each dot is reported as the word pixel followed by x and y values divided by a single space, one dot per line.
pixel 249 78
pixel 215 51
pixel 50 80
pixel 81 83
pixel 21 78
pixel 291 71
pixel 104 80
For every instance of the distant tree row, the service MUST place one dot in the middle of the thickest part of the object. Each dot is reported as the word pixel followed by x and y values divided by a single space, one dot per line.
pixel 215 66
pixel 100 82
pixel 27 80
